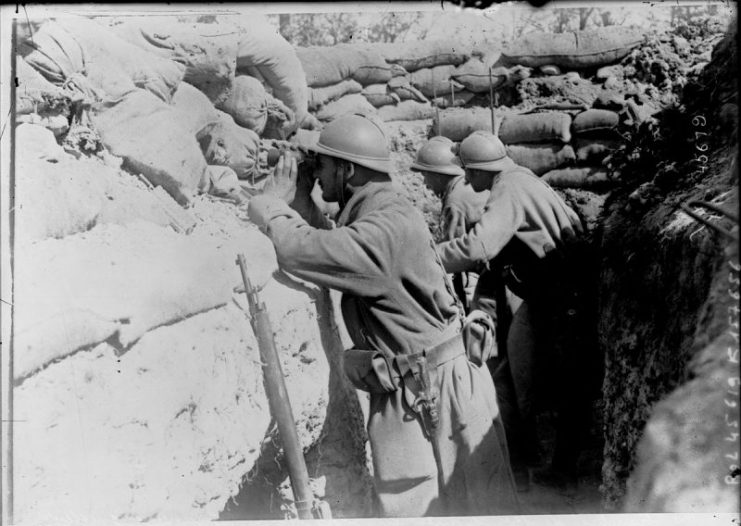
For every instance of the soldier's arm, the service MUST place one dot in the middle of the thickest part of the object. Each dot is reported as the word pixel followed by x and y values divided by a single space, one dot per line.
pixel 350 259
pixel 502 217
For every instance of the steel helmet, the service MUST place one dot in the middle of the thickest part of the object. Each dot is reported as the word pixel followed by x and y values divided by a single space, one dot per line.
pixel 484 151
pixel 357 139
pixel 437 156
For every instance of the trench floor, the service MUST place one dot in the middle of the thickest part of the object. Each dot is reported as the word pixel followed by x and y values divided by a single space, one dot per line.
pixel 586 497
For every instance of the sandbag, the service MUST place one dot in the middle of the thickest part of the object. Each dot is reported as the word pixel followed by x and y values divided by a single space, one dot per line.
pixel 225 143
pixel 194 106
pixel 474 75
pixel 458 123
pixel 535 127
pixel 402 87
pixel 57 195
pixel 329 65
pixel 35 94
pixel 569 50
pixel 223 182
pixel 354 103
pixel 207 51
pixel 154 140
pixel 379 95
pixel 460 98
pixel 594 123
pixel 435 81
pixel 375 70
pixel 424 53
pixel 115 283
pixel 265 50
pixel 407 110
pixel 248 104
pixel 76 48
pixel 541 158
pixel 588 178
pixel 318 97
pixel 593 151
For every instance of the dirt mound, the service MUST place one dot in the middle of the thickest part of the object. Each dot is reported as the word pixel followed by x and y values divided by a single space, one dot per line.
pixel 661 286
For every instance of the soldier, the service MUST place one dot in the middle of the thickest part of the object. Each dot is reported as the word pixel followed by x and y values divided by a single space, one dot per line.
pixel 530 238
pixel 461 206
pixel 432 409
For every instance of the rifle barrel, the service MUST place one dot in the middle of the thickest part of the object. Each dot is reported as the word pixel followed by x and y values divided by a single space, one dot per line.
pixel 280 404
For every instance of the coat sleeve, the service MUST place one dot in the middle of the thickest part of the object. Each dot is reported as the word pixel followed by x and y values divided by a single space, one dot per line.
pixel 502 217
pixel 353 259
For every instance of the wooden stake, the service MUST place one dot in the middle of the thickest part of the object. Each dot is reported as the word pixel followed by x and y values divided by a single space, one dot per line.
pixel 434 102
pixel 491 102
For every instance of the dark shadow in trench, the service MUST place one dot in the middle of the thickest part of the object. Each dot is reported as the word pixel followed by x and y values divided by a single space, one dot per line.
pixel 338 455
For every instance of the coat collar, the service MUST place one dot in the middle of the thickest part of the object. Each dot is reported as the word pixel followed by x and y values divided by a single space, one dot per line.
pixel 369 195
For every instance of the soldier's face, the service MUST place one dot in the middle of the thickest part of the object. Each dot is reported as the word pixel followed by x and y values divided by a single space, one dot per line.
pixel 479 180
pixel 436 182
pixel 326 174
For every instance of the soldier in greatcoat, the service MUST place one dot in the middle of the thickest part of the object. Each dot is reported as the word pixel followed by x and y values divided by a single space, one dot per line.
pixel 432 407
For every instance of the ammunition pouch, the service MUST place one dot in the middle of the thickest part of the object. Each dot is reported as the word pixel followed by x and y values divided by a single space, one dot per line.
pixel 370 371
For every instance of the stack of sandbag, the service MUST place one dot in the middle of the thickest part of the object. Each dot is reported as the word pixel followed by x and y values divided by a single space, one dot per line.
pixel 263 53
pixel 430 65
pixel 337 75
pixel 82 55
pixel 215 53
pixel 399 80
pixel 538 141
pixel 595 136
pixel 565 151
pixel 139 108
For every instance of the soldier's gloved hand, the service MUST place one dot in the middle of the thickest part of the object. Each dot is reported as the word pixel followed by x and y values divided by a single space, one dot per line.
pixel 479 337
pixel 282 183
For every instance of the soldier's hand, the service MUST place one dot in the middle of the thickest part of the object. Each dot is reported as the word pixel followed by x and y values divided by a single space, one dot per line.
pixel 456 226
pixel 282 183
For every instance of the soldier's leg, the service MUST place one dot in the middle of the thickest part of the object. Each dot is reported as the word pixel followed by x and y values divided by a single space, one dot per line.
pixel 521 348
pixel 477 479
pixel 405 470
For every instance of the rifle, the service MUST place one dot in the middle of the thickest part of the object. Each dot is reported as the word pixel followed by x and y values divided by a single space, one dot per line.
pixel 280 404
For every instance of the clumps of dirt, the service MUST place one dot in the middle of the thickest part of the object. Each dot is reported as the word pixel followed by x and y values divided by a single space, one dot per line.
pixel 678 147
pixel 659 272
pixel 570 87
pixel 665 61
pixel 405 138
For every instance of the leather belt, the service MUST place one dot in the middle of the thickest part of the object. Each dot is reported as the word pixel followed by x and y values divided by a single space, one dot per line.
pixel 436 356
